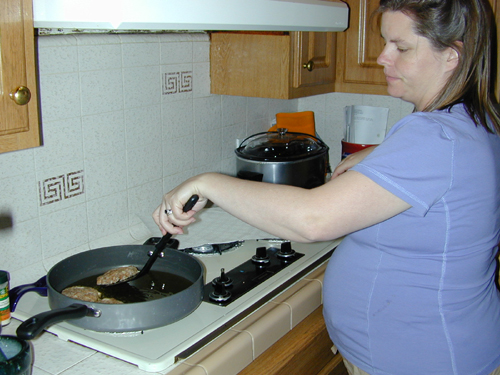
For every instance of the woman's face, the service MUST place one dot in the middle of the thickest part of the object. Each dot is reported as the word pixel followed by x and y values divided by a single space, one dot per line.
pixel 414 71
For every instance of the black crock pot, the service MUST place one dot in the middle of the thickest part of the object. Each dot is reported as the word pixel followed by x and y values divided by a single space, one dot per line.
pixel 283 157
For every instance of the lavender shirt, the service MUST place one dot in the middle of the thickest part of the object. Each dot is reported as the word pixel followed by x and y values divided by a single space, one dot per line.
pixel 415 294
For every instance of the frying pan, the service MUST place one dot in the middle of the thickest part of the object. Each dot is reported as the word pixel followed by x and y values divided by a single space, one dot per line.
pixel 128 317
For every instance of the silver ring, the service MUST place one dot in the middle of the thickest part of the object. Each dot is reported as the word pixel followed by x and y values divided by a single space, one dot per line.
pixel 168 211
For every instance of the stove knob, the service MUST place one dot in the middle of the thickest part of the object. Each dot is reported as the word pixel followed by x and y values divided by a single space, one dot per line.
pixel 261 256
pixel 286 251
pixel 220 293
pixel 223 278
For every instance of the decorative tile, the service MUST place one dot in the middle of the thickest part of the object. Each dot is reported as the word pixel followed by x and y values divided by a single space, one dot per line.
pixel 177 82
pixel 65 186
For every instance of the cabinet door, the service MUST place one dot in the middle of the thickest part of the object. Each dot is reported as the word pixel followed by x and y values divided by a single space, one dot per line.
pixel 313 63
pixel 19 127
pixel 270 64
pixel 250 64
pixel 357 52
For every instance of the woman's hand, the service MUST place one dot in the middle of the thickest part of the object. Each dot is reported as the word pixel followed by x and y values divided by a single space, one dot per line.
pixel 170 216
pixel 351 160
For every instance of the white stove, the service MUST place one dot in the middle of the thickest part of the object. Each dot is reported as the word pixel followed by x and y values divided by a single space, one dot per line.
pixel 157 349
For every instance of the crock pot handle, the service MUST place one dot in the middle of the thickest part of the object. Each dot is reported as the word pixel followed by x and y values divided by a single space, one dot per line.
pixel 39 286
pixel 31 327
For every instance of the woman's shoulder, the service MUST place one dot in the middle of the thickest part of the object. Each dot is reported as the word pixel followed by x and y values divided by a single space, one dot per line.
pixel 448 120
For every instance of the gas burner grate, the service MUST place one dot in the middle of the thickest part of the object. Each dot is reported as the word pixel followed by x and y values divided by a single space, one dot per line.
pixel 206 249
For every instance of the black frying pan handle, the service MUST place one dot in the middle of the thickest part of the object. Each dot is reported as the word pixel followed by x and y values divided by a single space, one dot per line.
pixel 31 327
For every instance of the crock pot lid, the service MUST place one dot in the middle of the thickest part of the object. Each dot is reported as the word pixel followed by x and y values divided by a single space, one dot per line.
pixel 280 146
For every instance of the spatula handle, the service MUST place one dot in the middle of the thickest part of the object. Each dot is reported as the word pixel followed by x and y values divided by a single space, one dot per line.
pixel 164 240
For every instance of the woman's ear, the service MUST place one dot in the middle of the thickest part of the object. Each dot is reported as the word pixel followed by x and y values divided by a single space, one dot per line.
pixel 453 57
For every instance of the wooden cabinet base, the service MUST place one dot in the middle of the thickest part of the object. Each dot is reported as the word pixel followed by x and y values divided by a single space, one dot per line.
pixel 304 350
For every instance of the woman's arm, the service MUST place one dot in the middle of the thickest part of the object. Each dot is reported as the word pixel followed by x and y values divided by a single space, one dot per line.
pixel 351 160
pixel 347 203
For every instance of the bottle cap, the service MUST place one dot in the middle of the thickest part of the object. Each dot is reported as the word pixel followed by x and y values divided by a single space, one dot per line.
pixel 4 277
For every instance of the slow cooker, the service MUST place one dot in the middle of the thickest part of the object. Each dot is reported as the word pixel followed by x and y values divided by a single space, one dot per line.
pixel 283 157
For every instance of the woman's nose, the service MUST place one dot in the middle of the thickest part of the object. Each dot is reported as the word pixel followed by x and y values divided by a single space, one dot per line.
pixel 382 59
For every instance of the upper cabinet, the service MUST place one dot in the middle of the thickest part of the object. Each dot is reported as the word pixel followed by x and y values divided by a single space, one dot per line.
pixel 276 66
pixel 357 51
pixel 300 64
pixel 272 65
pixel 19 127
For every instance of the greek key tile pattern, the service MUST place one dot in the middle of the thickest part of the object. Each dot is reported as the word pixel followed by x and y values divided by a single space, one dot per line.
pixel 178 82
pixel 61 187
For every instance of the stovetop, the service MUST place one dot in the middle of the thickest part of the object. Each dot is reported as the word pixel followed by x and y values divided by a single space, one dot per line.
pixel 157 349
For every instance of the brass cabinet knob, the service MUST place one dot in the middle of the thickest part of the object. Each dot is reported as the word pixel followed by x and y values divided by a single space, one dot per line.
pixel 309 65
pixel 21 95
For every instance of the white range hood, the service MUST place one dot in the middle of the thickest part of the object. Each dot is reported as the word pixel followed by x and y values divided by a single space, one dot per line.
pixel 254 15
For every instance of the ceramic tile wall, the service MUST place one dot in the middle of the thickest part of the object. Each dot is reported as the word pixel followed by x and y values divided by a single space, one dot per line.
pixel 125 118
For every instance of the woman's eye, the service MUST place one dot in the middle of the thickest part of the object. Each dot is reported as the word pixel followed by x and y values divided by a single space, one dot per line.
pixel 402 49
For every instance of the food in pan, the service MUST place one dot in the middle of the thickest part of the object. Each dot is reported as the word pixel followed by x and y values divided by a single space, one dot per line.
pixel 111 301
pixel 116 275
pixel 88 294
pixel 82 293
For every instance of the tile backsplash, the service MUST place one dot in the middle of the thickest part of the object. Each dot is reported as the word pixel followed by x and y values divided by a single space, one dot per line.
pixel 124 119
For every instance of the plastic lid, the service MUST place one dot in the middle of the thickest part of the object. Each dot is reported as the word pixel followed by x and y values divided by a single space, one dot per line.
pixel 4 277
pixel 280 146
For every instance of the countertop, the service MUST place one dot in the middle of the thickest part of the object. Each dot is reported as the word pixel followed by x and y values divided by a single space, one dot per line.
pixel 228 354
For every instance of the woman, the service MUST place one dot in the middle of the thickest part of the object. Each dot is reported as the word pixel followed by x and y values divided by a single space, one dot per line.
pixel 410 290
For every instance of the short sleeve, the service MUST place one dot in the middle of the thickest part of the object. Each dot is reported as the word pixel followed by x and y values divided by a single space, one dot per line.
pixel 414 162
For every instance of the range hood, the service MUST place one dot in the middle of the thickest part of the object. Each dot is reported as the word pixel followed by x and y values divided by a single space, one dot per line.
pixel 195 15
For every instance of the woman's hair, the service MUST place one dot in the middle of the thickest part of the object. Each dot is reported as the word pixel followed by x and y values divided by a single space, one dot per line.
pixel 467 26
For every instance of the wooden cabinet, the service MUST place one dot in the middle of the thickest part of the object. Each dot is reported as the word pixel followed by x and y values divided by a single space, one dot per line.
pixel 304 350
pixel 272 65
pixel 275 66
pixel 357 51
pixel 19 127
